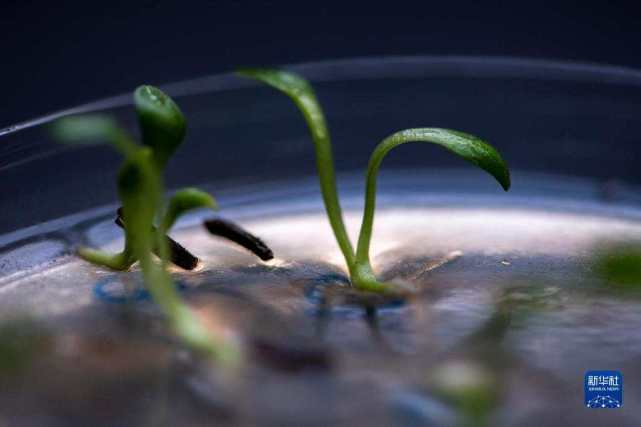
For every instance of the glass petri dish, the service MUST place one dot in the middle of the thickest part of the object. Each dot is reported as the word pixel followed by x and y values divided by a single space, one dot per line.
pixel 506 272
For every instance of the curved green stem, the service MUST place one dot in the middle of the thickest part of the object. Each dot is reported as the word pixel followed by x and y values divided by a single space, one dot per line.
pixel 303 96
pixel 140 189
pixel 182 319
pixel 183 201
pixel 120 261
pixel 93 129
pixel 467 146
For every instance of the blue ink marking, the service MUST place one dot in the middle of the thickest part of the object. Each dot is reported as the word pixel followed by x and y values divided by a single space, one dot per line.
pixel 121 296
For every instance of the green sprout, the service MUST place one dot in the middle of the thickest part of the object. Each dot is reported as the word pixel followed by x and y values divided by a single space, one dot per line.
pixel 140 189
pixel 163 130
pixel 618 265
pixel 358 262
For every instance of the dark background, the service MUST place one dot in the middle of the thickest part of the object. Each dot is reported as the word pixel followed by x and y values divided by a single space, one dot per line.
pixel 60 54
pixel 57 54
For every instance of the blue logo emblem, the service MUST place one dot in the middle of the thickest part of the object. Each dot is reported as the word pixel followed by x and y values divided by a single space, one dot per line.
pixel 603 389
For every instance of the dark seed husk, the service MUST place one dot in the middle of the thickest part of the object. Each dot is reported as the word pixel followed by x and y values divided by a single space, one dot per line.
pixel 233 232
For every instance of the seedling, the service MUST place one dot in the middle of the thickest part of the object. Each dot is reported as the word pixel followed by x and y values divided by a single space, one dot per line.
pixel 358 262
pixel 140 190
